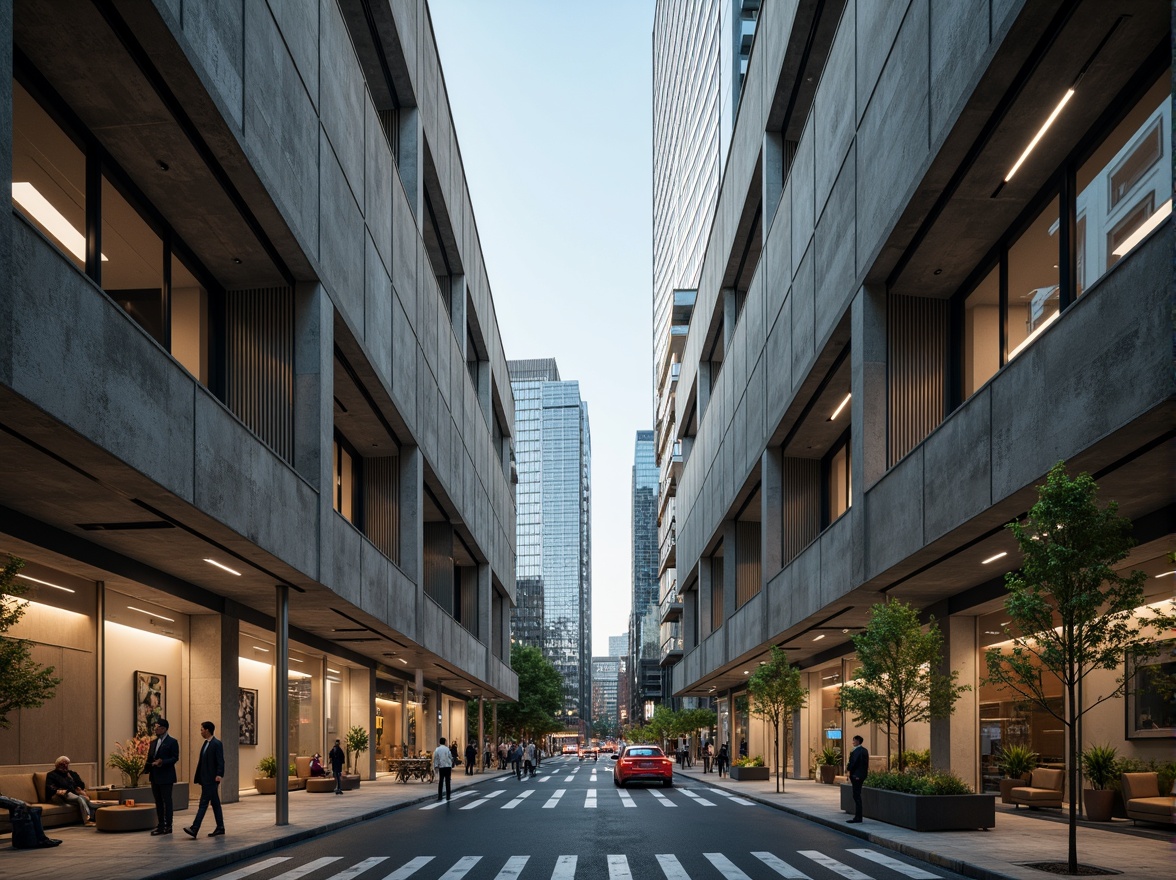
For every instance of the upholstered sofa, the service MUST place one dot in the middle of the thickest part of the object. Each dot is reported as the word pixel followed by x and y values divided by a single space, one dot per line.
pixel 1143 800
pixel 1044 789
pixel 30 788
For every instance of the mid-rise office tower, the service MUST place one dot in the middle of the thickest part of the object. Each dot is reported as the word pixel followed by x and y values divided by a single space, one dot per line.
pixel 255 417
pixel 553 455
pixel 605 671
pixel 645 626
pixel 938 262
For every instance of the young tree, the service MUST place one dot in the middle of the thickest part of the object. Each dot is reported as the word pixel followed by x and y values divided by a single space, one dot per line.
pixel 1070 613
pixel 897 682
pixel 540 694
pixel 24 684
pixel 776 692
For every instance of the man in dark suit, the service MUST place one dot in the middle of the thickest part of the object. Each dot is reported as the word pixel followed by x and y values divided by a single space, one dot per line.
pixel 162 758
pixel 857 768
pixel 210 768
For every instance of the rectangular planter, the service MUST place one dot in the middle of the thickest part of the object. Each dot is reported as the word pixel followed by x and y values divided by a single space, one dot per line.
pixel 746 774
pixel 919 812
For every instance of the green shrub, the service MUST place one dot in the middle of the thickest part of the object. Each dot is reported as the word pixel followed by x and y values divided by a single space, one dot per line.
pixel 933 783
pixel 1099 766
pixel 1015 761
pixel 912 760
pixel 748 761
pixel 268 767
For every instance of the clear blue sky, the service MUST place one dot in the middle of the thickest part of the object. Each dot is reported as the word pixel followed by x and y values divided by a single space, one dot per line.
pixel 552 104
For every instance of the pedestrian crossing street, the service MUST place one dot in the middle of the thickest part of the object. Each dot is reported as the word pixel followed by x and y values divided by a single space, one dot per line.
pixel 856 863
pixel 552 798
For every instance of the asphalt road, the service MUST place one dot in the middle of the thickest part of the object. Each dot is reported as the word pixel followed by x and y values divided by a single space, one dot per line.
pixel 571 823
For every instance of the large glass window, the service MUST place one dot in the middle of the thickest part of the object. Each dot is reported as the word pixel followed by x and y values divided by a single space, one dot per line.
pixel 132 268
pixel 189 321
pixel 1033 301
pixel 982 319
pixel 838 480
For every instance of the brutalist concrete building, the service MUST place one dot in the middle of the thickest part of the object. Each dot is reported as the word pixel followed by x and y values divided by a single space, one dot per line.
pixel 939 261
pixel 255 418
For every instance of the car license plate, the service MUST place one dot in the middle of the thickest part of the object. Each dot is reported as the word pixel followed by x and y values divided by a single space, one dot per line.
pixel 645 763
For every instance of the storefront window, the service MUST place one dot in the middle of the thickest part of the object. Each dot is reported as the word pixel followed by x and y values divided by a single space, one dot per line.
pixel 982 333
pixel 389 741
pixel 739 745
pixel 838 480
pixel 1033 280
pixel 831 730
pixel 305 736
pixel 1151 706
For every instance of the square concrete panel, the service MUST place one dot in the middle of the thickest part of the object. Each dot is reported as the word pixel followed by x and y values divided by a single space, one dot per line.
pixel 405 250
pixel 778 367
pixel 894 515
pixel 803 318
pixel 373 582
pixel 806 583
pixel 958 465
pixel 959 40
pixel 776 259
pixel 377 313
pixel 876 26
pixel 835 259
pixel 216 32
pixel 378 183
pixel 404 363
pixel 755 435
pixel 299 26
pixel 802 185
pixel 343 104
pixel 342 571
pixel 833 119
pixel 747 629
pixel 341 246
pixel 837 560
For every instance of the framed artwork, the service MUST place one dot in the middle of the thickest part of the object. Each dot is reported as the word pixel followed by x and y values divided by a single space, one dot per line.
pixel 1151 694
pixel 150 701
pixel 246 716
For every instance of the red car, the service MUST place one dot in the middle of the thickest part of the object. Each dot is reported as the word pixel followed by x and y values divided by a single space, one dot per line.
pixel 637 763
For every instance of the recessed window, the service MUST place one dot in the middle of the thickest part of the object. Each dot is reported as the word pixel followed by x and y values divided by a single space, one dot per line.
pixel 982 319
pixel 1033 280
pixel 838 480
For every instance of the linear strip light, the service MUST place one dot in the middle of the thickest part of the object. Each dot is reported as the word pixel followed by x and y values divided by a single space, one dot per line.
pixel 1040 133
pixel 840 407
pixel 1165 574
pixel 218 565
pixel 1028 339
pixel 29 197
pixel 151 614
pixel 1147 226
pixel 45 583
pixel 994 558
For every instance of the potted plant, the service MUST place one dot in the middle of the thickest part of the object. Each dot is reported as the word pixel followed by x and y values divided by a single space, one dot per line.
pixel 130 759
pixel 267 783
pixel 1016 762
pixel 828 763
pixel 355 743
pixel 1100 766
pixel 749 767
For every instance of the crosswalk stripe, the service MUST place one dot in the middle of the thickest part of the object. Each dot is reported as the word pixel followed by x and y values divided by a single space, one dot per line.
pixel 701 801
pixel 734 797
pixel 253 869
pixel 665 801
pixel 548 776
pixel 565 868
pixel 590 799
pixel 781 867
pixel 461 868
pixel 358 868
pixel 513 867
pixel 833 865
pixel 522 797
pixel 551 804
pixel 894 864
pixel 725 866
pixel 437 804
pixel 672 868
pixel 409 868
pixel 488 797
pixel 618 868
pixel 570 778
pixel 626 798
pixel 295 873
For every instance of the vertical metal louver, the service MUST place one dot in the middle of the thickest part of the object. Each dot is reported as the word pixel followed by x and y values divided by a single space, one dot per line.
pixel 381 504
pixel 390 122
pixel 749 564
pixel 260 343
pixel 802 504
pixel 716 592
pixel 438 564
pixel 916 342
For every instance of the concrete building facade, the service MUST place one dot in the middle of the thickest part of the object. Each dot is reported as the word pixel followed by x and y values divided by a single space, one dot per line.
pixel 939 261
pixel 255 417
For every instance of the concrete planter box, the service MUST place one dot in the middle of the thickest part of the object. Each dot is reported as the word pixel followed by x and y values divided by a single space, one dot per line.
pixel 141 794
pixel 750 774
pixel 350 781
pixel 946 812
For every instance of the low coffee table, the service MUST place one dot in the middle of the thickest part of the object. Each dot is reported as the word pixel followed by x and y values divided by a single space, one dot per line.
pixel 140 817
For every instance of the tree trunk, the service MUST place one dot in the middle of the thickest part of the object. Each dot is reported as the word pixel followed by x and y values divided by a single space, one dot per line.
pixel 1072 775
pixel 776 752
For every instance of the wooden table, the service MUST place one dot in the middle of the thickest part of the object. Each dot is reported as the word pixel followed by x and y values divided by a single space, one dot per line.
pixel 413 768
pixel 140 817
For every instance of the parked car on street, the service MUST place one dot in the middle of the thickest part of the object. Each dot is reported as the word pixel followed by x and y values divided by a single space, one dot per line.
pixel 642 763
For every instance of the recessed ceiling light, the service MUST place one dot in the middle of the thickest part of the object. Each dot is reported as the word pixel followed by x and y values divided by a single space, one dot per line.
pixel 402 660
pixel 152 614
pixel 224 567
pixel 818 638
pixel 45 583
pixel 840 407
pixel 746 672
pixel 994 558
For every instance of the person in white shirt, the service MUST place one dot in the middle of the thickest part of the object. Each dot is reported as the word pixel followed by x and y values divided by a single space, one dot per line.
pixel 443 764
pixel 529 760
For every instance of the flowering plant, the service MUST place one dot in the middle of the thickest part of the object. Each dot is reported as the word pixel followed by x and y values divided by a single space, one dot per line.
pixel 748 761
pixel 130 758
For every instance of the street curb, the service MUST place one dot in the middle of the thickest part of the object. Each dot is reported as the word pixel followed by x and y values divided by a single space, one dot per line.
pixel 960 867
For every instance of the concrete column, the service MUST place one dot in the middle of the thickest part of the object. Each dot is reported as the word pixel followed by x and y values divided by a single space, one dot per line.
pixel 689 620
pixel 955 741
pixel 730 568
pixel 213 679
pixel 412 522
pixel 703 389
pixel 482 731
pixel 773 176
pixel 485 613
pixel 411 162
pixel 771 511
pixel 868 384
pixel 282 703
pixel 457 313
pixel 314 386
pixel 705 588
pixel 730 318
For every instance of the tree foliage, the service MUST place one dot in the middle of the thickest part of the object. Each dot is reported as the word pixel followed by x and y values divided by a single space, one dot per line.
pixel 540 695
pixel 24 684
pixel 776 692
pixel 1070 612
pixel 898 681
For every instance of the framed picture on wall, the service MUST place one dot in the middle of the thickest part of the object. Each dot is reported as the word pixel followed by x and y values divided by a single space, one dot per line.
pixel 150 701
pixel 1151 695
pixel 247 716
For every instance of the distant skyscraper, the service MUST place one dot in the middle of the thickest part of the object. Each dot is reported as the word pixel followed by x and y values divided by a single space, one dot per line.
pixel 618 646
pixel 644 626
pixel 553 456
pixel 604 691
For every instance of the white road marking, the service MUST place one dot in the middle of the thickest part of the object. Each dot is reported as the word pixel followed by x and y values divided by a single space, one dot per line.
pixel 479 803
pixel 358 868
pixel 409 868
pixel 672 868
pixel 781 867
pixel 665 801
pixel 565 868
pixel 437 804
pixel 522 797
pixel 253 869
pixel 570 778
pixel 554 802
pixel 701 801
pixel 513 867
pixel 590 799
pixel 295 873
pixel 725 866
pixel 734 797
pixel 894 864
pixel 626 798
pixel 833 865
pixel 618 868
pixel 461 868
pixel 545 778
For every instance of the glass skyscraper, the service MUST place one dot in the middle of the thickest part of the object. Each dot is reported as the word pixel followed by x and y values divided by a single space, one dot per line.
pixel 553 455
pixel 646 644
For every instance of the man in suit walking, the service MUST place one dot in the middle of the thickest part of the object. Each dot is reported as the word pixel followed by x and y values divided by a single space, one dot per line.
pixel 162 758
pixel 858 768
pixel 210 769
pixel 335 758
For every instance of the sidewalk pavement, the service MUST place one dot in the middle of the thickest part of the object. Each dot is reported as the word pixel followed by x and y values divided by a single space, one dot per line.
pixel 992 855
pixel 1019 836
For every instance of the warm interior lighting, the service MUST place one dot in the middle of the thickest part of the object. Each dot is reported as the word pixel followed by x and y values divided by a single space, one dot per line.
pixel 45 583
pixel 224 567
pixel 994 558
pixel 1147 226
pixel 840 407
pixel 1040 133
pixel 1028 339
pixel 329 669
pixel 1165 574
pixel 402 660
pixel 818 638
pixel 151 614
pixel 41 209
pixel 259 648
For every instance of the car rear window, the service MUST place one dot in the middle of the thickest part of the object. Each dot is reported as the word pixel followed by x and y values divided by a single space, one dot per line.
pixel 644 753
